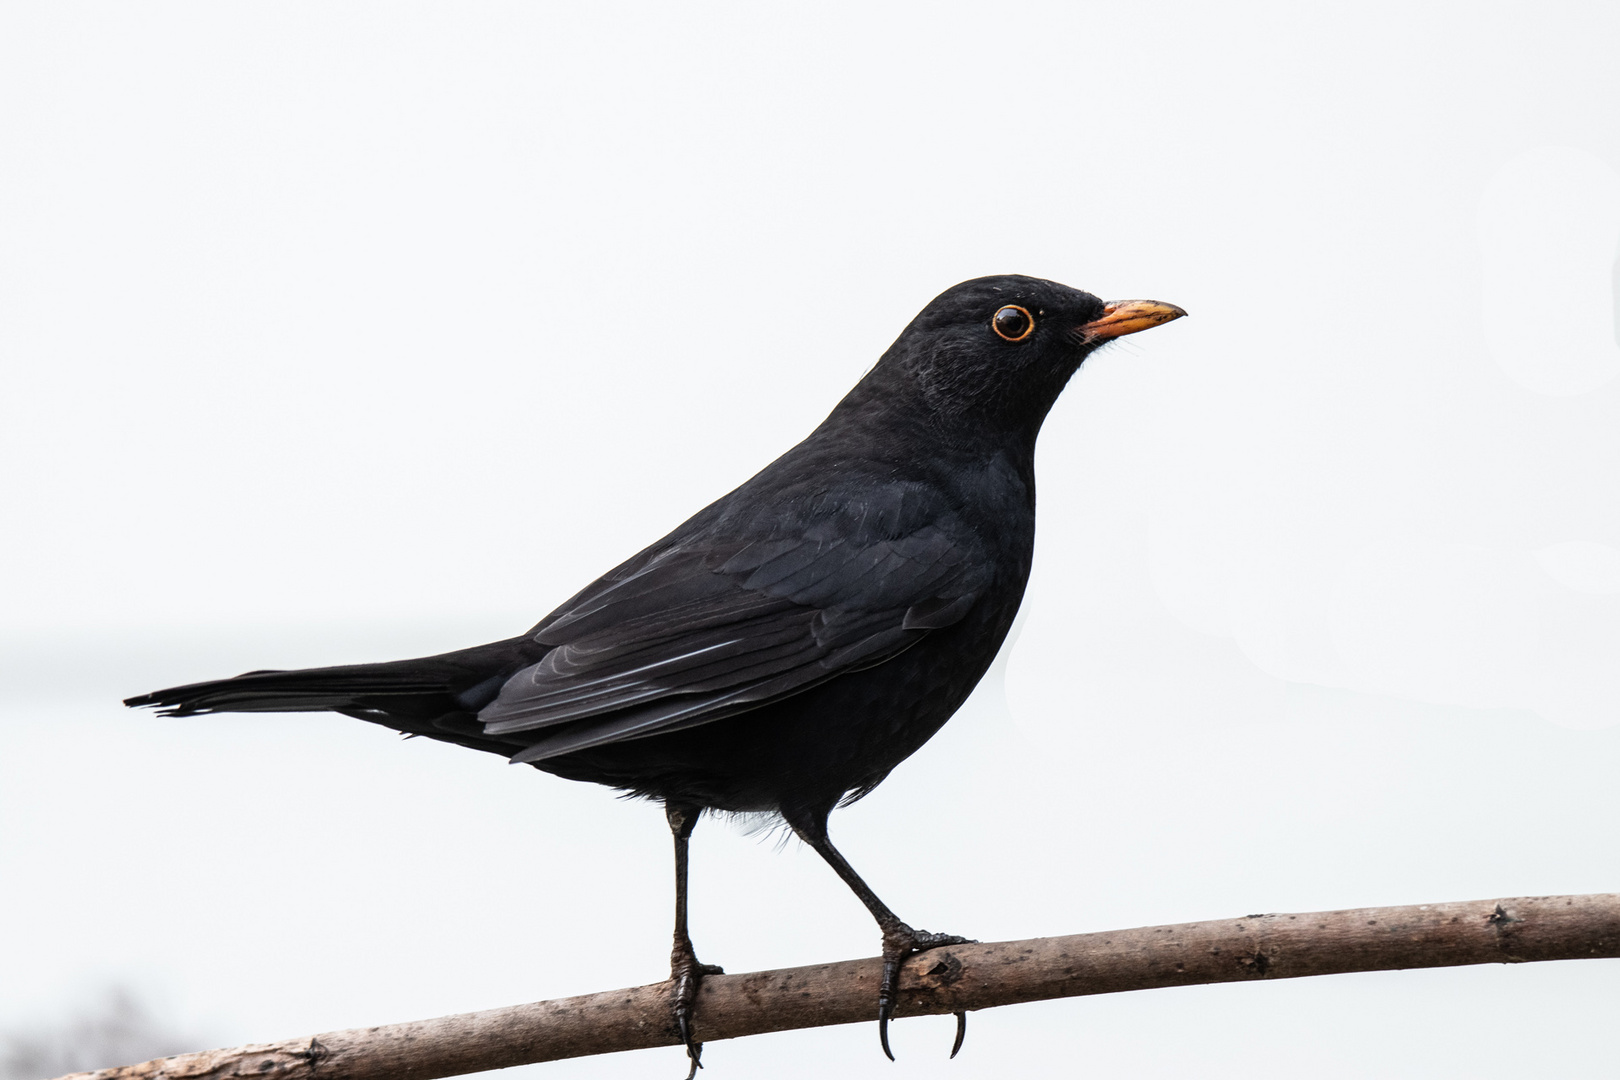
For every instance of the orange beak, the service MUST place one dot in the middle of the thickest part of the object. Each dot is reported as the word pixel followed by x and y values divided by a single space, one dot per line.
pixel 1123 317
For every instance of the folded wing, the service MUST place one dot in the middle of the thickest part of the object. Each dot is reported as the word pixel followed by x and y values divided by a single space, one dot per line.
pixel 700 628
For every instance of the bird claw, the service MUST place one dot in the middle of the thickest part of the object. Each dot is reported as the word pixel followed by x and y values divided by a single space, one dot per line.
pixel 899 944
pixel 686 978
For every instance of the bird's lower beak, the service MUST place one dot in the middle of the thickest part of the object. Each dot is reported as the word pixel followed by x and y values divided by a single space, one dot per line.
pixel 1123 317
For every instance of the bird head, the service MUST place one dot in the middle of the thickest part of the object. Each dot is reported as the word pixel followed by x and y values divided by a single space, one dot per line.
pixel 992 354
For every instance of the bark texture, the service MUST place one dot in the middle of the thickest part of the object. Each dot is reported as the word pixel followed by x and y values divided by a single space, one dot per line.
pixel 945 980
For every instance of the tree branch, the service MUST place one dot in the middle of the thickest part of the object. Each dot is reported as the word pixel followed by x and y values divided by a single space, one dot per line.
pixel 942 981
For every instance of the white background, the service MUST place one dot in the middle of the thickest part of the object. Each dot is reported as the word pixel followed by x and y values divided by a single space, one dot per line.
pixel 343 333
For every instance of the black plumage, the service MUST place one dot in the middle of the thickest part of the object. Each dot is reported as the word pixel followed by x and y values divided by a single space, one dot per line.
pixel 794 641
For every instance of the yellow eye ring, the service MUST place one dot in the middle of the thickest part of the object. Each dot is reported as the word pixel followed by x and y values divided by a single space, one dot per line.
pixel 1013 323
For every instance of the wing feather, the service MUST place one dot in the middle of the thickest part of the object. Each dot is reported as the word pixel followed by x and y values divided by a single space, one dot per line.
pixel 705 626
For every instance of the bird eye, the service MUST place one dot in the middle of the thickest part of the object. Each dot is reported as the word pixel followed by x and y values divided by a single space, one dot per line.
pixel 1013 323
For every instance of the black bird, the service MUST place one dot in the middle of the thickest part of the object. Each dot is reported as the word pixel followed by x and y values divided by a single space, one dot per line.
pixel 793 642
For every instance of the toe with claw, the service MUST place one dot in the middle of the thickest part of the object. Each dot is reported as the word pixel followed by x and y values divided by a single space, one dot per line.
pixel 686 978
pixel 899 943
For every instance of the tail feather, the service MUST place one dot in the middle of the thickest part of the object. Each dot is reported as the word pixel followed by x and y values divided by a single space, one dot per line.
pixel 436 696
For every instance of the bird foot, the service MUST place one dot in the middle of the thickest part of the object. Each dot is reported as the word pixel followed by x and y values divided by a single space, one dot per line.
pixel 901 942
pixel 685 978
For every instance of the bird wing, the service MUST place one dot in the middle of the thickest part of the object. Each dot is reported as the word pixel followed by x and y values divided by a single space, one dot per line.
pixel 703 627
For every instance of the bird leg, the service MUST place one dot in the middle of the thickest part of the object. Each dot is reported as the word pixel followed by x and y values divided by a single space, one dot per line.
pixel 685 972
pixel 900 941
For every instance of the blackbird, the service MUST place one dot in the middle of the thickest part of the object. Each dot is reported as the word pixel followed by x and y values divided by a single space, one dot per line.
pixel 791 643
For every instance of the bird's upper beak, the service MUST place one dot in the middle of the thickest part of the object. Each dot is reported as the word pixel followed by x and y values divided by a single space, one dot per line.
pixel 1123 317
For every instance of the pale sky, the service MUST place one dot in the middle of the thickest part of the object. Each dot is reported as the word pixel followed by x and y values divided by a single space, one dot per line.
pixel 345 333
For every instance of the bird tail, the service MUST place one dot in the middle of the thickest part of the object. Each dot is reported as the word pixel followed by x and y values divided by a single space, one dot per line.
pixel 436 696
